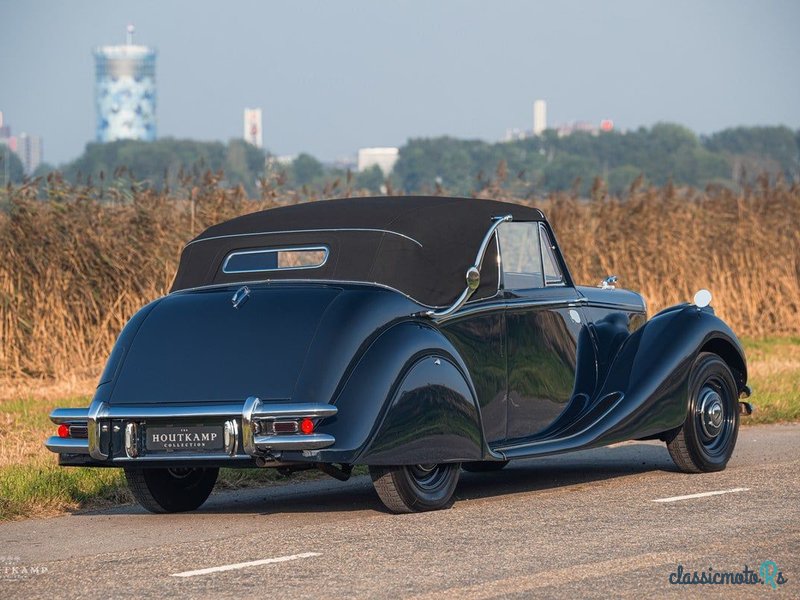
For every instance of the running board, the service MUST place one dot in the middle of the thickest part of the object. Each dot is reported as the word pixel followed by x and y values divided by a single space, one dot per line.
pixel 580 434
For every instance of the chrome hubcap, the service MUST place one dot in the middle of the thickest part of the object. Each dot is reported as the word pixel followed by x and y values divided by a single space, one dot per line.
pixel 428 477
pixel 712 413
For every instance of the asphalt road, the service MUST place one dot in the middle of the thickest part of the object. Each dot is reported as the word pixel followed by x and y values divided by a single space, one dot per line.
pixel 579 525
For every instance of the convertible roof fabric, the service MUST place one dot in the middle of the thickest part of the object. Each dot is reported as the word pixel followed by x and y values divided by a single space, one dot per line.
pixel 419 245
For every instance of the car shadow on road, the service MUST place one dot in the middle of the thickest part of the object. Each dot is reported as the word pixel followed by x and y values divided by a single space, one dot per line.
pixel 578 468
pixel 357 494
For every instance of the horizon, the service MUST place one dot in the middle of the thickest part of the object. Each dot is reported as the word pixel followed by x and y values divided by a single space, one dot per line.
pixel 344 77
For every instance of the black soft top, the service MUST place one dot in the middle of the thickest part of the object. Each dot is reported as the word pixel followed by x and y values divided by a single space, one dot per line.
pixel 419 245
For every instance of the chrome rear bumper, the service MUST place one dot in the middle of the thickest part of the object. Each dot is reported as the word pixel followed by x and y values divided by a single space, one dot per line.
pixel 246 429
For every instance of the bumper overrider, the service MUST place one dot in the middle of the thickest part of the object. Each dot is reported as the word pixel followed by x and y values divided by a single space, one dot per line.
pixel 252 430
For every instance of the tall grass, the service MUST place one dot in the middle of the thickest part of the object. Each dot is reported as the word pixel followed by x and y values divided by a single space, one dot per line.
pixel 74 268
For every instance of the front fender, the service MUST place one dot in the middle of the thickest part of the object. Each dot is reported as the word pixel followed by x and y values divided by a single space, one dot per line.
pixel 409 400
pixel 652 368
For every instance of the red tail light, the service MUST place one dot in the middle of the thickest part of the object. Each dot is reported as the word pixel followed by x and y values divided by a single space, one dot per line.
pixel 63 430
pixel 307 426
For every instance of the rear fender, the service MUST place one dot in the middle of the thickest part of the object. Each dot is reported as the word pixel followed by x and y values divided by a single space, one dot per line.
pixel 409 400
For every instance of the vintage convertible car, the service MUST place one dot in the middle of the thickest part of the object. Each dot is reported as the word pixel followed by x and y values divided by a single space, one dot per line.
pixel 415 335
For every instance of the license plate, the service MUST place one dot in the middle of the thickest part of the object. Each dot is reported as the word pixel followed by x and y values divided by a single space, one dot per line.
pixel 181 439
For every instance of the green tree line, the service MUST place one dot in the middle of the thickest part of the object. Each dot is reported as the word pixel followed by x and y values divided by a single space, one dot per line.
pixel 659 154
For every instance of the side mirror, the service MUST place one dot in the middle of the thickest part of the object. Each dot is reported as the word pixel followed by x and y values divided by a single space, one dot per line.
pixel 473 274
pixel 702 298
pixel 473 278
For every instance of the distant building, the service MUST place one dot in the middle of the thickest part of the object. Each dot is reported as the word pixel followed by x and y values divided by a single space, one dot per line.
pixel 252 127
pixel 125 92
pixel 513 134
pixel 29 150
pixel 5 130
pixel 385 158
pixel 566 129
pixel 284 160
pixel 539 117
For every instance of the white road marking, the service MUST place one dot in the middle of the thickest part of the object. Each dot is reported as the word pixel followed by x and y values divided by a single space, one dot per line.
pixel 701 495
pixel 252 563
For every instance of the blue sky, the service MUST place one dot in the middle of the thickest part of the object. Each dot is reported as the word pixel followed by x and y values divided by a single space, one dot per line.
pixel 335 76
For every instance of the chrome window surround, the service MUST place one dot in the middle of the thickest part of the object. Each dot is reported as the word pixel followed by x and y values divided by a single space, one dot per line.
pixel 539 252
pixel 543 235
pixel 275 251
pixel 542 231
pixel 98 417
pixel 473 277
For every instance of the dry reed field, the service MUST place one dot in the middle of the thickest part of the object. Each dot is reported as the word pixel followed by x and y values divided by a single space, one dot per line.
pixel 74 269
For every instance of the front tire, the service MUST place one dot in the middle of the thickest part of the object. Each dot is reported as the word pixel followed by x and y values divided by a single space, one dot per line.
pixel 171 490
pixel 705 441
pixel 416 488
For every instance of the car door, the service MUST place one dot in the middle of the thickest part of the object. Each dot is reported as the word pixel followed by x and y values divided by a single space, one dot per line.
pixel 480 341
pixel 543 323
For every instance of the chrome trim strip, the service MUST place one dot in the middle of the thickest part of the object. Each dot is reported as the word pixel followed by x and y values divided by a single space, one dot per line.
pixel 497 221
pixel 511 305
pixel 614 305
pixel 233 235
pixel 313 441
pixel 565 302
pixel 67 445
pixel 324 249
pixel 459 302
pixel 300 410
pixel 472 283
pixel 67 415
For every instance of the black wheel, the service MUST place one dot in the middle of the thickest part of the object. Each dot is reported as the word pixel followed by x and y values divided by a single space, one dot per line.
pixel 705 441
pixel 416 488
pixel 171 490
pixel 484 466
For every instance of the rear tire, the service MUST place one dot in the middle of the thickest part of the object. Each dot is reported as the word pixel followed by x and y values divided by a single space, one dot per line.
pixel 416 488
pixel 705 441
pixel 484 466
pixel 171 490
